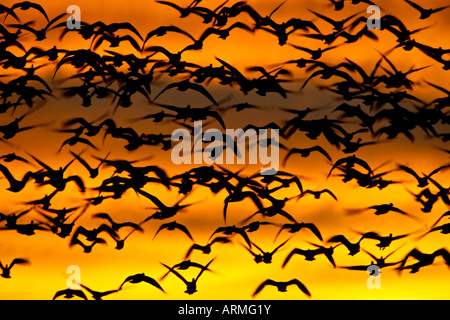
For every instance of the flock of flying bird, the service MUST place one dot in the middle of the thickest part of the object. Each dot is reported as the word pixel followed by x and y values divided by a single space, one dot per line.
pixel 379 100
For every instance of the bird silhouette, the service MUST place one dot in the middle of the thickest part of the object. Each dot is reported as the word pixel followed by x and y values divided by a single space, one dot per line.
pixel 40 34
pixel 310 254
pixel 424 259
pixel 191 286
pixel 172 226
pixel 206 249
pixel 6 269
pixel 70 293
pixel 229 230
pixel 296 227
pixel 185 85
pixel 425 13
pixel 306 152
pixel 282 286
pixel 16 185
pixel 264 256
pixel 141 277
pixel 353 248
pixel 92 171
pixel 98 295
pixel 384 241
pixel 379 262
pixel 184 265
pixel 115 225
pixel 164 212
pixel 26 5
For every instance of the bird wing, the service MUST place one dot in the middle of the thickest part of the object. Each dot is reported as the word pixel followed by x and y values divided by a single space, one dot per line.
pixel 340 238
pixel 289 256
pixel 262 285
pixel 372 235
pixel 152 198
pixel 32 5
pixel 409 170
pixel 202 90
pixel 414 5
pixel 153 282
pixel 322 151
pixel 176 273
pixel 185 230
pixel 313 229
pixel 19 261
pixel 330 193
pixel 300 285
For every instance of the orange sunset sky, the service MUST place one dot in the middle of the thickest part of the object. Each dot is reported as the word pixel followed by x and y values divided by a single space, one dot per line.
pixel 235 275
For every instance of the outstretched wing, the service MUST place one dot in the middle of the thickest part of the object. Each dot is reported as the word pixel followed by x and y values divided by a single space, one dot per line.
pixel 262 285
pixel 300 285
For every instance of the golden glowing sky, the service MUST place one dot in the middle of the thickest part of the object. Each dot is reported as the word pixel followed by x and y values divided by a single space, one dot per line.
pixel 235 275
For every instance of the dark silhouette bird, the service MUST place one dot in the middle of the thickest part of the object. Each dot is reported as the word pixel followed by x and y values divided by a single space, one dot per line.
pixel 425 13
pixel 9 12
pixel 317 194
pixel 115 225
pixel 172 226
pixel 11 218
pixel 87 248
pixel 58 224
pixel 98 295
pixel 206 249
pixel 315 54
pixel 56 178
pixel 16 185
pixel 70 293
pixel 239 196
pixel 92 171
pixel 379 262
pixel 163 30
pixel 191 286
pixel 424 259
pixel 306 152
pixel 41 34
pixel 444 229
pixel 13 157
pixel 384 241
pixel 296 227
pixel 443 192
pixel 26 5
pixel 91 236
pixel 310 254
pixel 164 212
pixel 184 265
pixel 184 12
pixel 282 286
pixel 185 85
pixel 353 248
pixel 229 230
pixel 44 202
pixel 385 208
pixel 264 256
pixel 337 25
pixel 11 129
pixel 422 181
pixel 350 162
pixel 141 277
pixel 6 269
